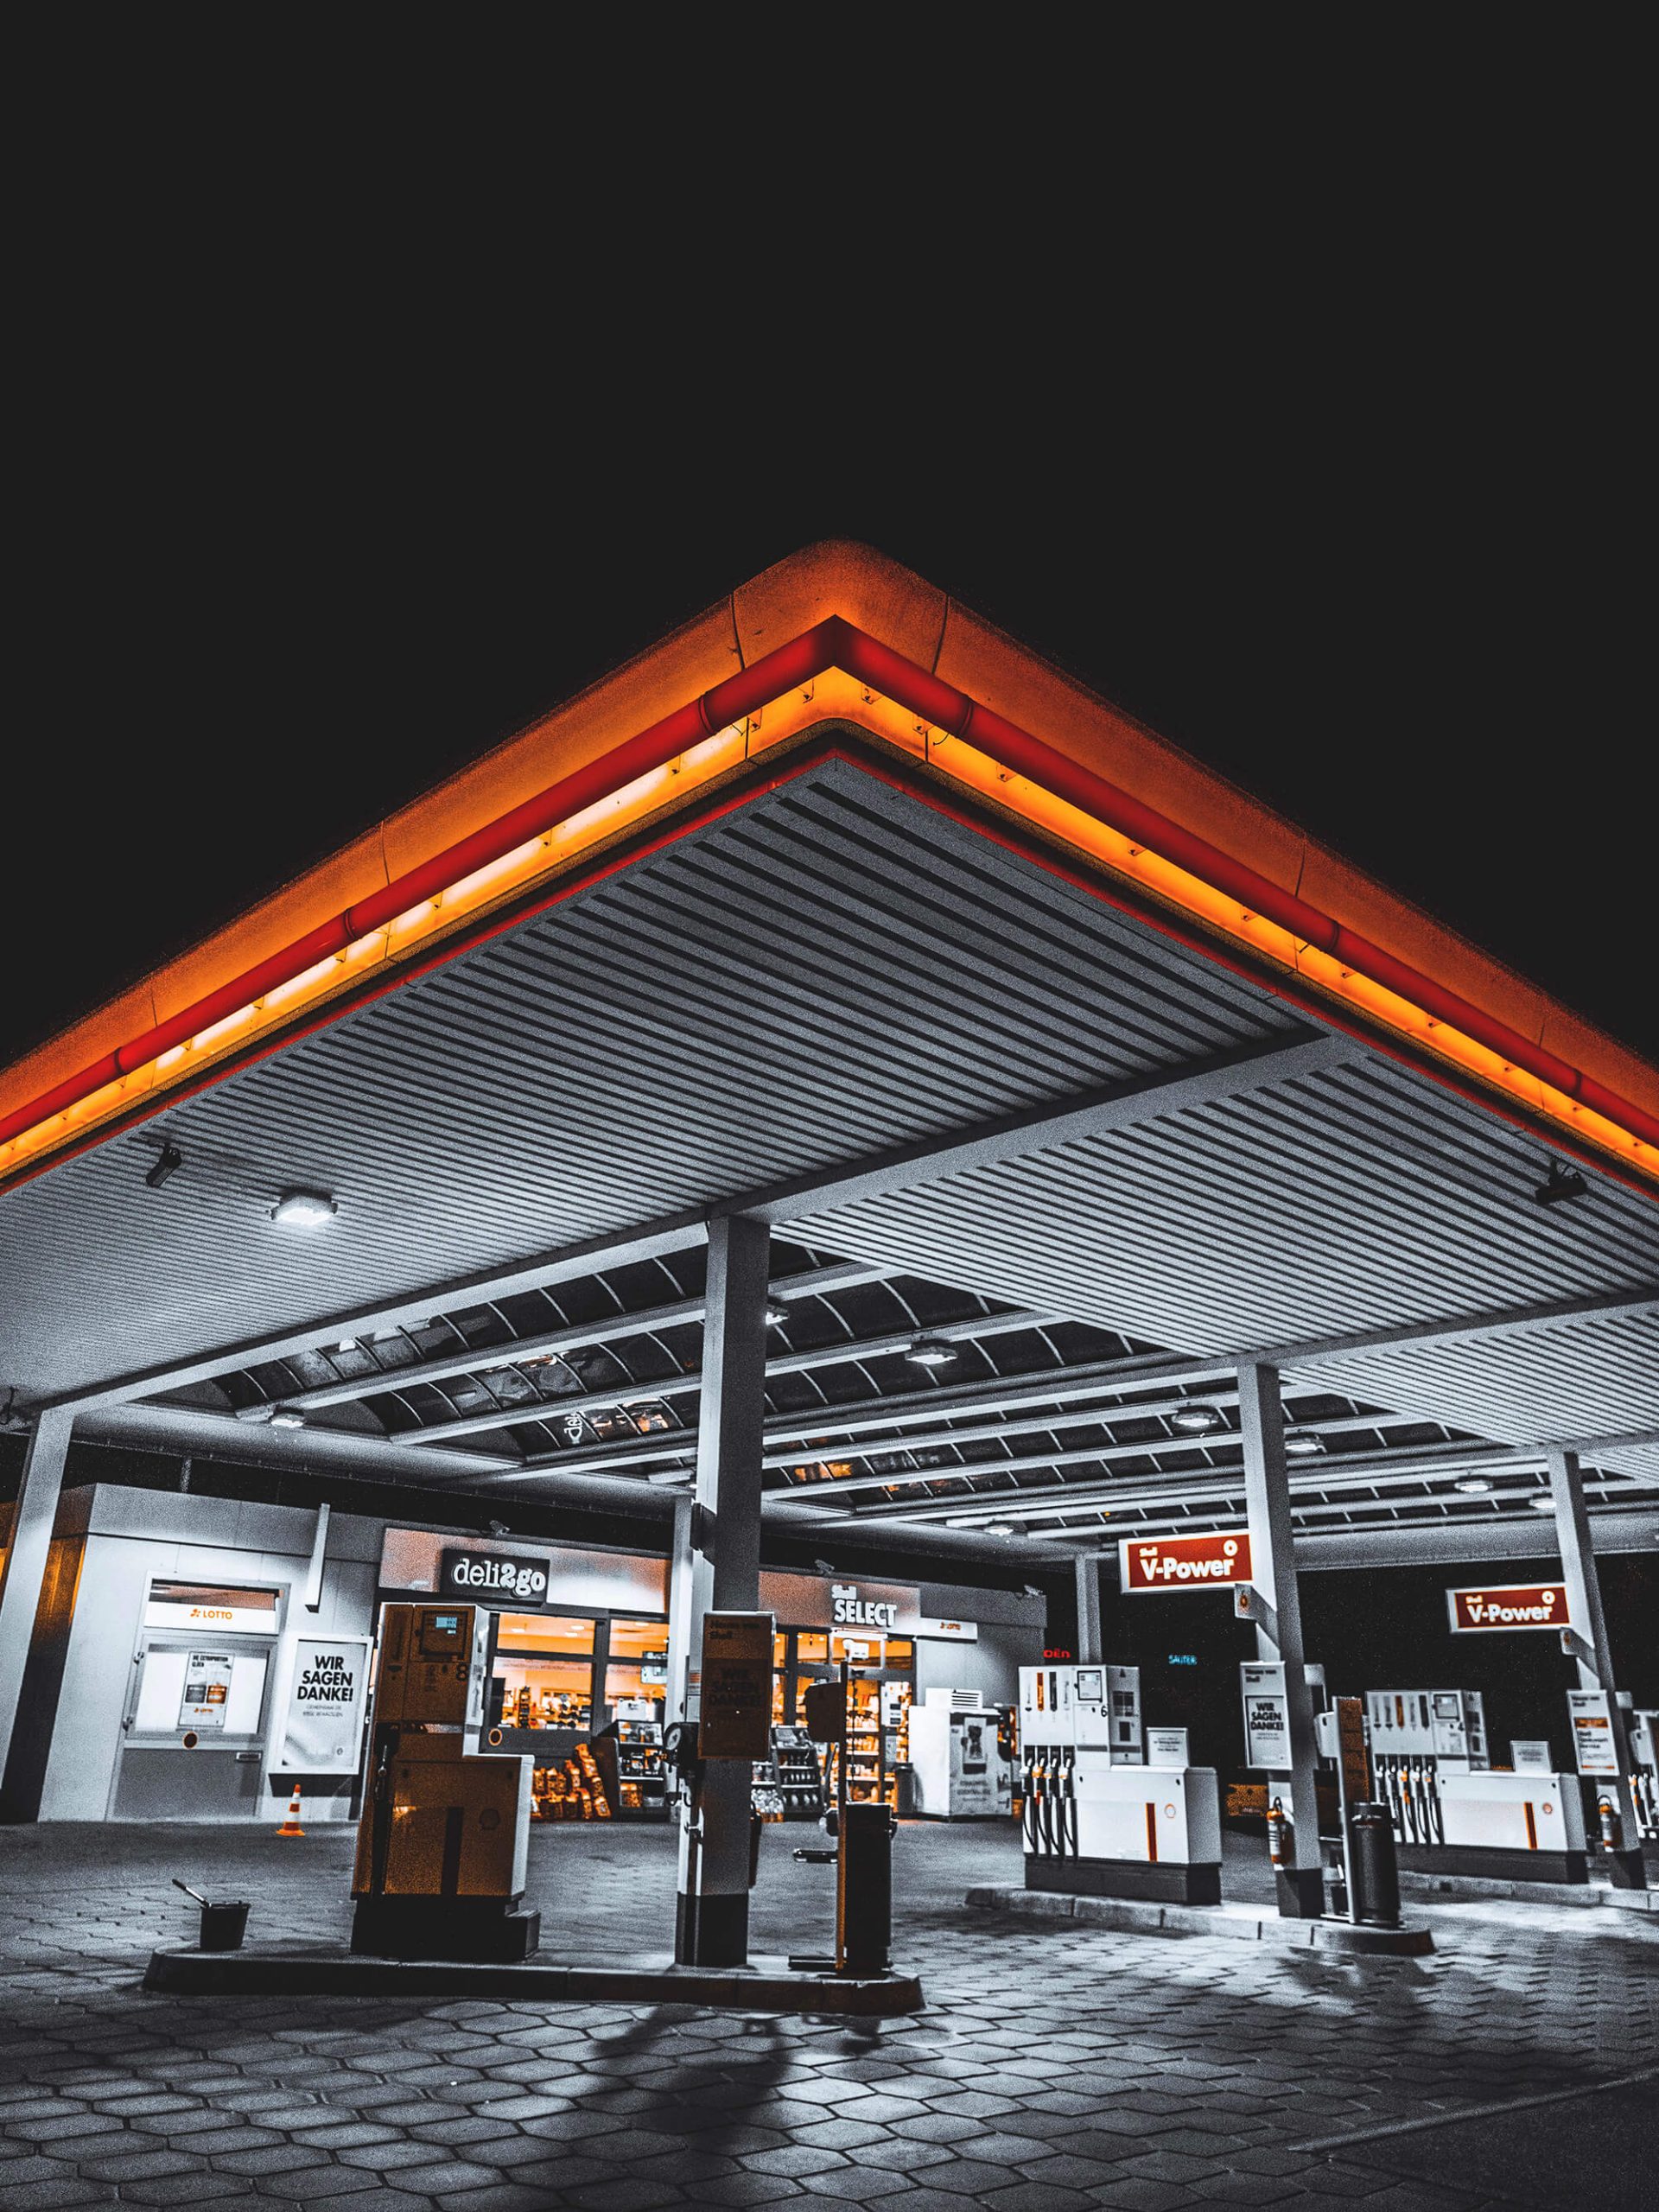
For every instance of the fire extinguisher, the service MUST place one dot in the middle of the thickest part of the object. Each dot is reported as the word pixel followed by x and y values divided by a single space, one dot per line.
pixel 1612 1835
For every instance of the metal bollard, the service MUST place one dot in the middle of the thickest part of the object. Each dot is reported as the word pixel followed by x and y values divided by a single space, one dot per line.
pixel 864 1888
pixel 1371 1860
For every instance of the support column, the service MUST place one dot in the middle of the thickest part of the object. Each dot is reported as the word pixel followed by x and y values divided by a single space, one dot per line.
pixel 24 1568
pixel 682 1568
pixel 1089 1640
pixel 1594 1652
pixel 712 1914
pixel 1273 1572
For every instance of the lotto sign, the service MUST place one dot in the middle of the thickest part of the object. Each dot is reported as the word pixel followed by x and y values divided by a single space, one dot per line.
pixel 1216 1560
pixel 1522 1605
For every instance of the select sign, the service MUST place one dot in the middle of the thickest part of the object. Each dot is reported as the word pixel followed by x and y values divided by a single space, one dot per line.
pixel 1216 1560
pixel 1522 1604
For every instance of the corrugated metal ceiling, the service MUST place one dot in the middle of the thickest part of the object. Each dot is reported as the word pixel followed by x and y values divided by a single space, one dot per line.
pixel 832 970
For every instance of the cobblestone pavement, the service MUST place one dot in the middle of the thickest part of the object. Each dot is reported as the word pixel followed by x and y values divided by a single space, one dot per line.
pixel 1055 2068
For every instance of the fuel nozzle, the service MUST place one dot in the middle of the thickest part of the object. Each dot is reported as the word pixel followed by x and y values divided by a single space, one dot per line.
pixel 1281 1834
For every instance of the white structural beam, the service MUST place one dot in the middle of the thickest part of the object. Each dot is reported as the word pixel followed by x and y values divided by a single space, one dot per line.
pixel 712 1923
pixel 655 1241
pixel 614 1328
pixel 1273 1574
pixel 1045 1128
pixel 1594 1652
pixel 22 1571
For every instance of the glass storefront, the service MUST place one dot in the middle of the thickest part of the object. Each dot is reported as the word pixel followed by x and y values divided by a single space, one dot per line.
pixel 880 1698
pixel 550 1667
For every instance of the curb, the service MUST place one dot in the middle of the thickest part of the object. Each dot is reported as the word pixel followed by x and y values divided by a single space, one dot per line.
pixel 1239 1922
pixel 324 1970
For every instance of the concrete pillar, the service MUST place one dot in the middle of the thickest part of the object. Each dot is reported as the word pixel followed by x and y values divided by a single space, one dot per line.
pixel 712 1916
pixel 682 1568
pixel 1273 1572
pixel 1088 1572
pixel 1594 1652
pixel 25 1562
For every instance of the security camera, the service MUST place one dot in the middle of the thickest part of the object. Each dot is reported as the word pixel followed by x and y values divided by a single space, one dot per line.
pixel 497 1528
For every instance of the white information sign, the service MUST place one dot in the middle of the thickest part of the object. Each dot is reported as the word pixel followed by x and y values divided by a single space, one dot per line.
pixel 1167 1747
pixel 1594 1745
pixel 1530 1755
pixel 206 1690
pixel 1267 1715
pixel 324 1704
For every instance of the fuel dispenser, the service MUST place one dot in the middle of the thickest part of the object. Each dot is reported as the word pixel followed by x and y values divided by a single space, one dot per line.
pixel 1096 1822
pixel 443 1844
pixel 1451 1813
pixel 1644 1772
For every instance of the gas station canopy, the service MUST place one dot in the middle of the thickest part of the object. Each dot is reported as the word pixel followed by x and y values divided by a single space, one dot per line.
pixel 1066 1077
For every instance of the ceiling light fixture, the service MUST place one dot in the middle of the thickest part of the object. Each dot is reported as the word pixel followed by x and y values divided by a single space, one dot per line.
pixel 1542 1502
pixel 1473 1485
pixel 259 1412
pixel 775 1313
pixel 1560 1183
pixel 1198 1419
pixel 1303 1443
pixel 997 1527
pixel 287 1417
pixel 932 1352
pixel 169 1162
pixel 303 1209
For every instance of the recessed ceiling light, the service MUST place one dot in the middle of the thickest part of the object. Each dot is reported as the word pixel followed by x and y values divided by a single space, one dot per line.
pixel 303 1209
pixel 346 1344
pixel 1473 1485
pixel 1303 1443
pixel 1198 1419
pixel 259 1412
pixel 287 1417
pixel 932 1352
pixel 1542 1502
pixel 775 1313
pixel 997 1527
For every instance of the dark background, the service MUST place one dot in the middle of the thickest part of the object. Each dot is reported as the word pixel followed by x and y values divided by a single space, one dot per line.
pixel 1312 433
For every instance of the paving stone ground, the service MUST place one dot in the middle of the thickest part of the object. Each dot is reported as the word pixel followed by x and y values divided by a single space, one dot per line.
pixel 1055 2067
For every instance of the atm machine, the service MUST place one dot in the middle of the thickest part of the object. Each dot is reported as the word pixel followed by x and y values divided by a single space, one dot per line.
pixel 1451 1813
pixel 443 1846
pixel 1097 1820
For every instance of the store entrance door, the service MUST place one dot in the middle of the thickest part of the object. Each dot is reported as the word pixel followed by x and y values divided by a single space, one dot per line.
pixel 193 1741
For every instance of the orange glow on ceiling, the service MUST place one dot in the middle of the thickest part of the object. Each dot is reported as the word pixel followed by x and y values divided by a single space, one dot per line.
pixel 832 694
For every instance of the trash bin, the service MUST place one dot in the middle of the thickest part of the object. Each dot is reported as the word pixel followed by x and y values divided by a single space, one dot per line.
pixel 223 1926
pixel 1376 1870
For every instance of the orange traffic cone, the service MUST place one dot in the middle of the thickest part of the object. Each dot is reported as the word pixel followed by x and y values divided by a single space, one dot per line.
pixel 291 1825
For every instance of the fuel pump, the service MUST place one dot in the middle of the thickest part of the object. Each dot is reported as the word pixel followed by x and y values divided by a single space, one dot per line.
pixel 862 1830
pixel 1097 1820
pixel 1450 1811
pixel 443 1846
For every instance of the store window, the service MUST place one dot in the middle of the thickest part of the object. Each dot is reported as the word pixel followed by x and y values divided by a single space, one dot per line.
pixel 545 1664
pixel 637 1671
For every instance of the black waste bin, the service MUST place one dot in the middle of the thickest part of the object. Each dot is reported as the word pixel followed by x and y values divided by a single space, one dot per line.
pixel 223 1927
pixel 1375 1868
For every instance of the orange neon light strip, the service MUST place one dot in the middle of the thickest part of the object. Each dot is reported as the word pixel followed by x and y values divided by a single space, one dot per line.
pixel 812 687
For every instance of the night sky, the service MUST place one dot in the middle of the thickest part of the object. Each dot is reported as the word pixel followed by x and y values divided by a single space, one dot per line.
pixel 1366 563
